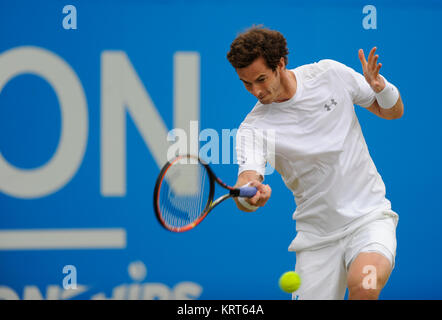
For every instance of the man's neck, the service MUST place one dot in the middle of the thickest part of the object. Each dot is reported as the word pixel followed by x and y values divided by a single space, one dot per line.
pixel 289 86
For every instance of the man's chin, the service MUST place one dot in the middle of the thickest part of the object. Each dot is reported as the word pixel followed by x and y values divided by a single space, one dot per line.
pixel 265 101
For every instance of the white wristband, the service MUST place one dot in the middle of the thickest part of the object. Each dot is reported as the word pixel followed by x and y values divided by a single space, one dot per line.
pixel 388 97
pixel 244 203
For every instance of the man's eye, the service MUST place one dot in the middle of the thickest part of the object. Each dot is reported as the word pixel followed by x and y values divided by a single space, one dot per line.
pixel 261 80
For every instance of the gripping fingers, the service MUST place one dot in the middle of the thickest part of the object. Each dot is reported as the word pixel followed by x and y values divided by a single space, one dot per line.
pixel 254 200
pixel 262 195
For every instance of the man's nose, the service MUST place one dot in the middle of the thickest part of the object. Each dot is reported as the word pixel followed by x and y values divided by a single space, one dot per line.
pixel 257 91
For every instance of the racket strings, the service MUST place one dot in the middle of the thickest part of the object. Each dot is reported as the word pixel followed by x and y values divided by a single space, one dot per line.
pixel 184 194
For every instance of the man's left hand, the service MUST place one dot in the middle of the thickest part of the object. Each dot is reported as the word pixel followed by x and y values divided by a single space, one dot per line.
pixel 371 70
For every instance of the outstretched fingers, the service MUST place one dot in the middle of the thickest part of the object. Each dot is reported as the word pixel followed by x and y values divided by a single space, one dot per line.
pixel 378 67
pixel 371 56
pixel 370 66
pixel 371 69
pixel 362 59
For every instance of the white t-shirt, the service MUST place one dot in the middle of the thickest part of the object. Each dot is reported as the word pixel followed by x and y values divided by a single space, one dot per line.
pixel 315 142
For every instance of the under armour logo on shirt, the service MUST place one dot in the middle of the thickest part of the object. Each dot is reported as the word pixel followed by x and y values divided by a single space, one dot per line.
pixel 329 106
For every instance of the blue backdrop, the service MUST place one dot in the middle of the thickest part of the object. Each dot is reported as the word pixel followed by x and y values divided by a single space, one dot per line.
pixel 55 67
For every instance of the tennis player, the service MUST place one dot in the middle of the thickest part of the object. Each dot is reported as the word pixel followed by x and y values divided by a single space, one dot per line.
pixel 346 229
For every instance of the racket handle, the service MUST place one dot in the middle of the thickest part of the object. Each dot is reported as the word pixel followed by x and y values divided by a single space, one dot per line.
pixel 247 192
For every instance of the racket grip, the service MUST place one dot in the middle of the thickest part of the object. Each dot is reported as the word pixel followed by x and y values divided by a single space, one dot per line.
pixel 247 192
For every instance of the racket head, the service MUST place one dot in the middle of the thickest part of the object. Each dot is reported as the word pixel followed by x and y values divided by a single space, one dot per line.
pixel 183 193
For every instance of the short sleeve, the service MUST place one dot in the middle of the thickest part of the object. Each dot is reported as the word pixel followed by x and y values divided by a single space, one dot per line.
pixel 250 150
pixel 361 92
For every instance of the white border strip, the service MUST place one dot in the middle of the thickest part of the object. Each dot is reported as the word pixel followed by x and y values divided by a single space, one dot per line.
pixel 55 239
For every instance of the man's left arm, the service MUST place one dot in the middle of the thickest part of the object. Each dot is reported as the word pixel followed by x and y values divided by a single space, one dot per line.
pixel 388 104
pixel 390 114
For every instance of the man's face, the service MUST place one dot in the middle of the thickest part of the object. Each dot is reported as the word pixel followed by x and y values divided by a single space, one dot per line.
pixel 261 81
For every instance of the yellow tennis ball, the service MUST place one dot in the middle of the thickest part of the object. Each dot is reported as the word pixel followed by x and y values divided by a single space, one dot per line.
pixel 290 281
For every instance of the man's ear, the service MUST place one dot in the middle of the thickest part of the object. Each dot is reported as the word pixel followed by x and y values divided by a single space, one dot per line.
pixel 281 64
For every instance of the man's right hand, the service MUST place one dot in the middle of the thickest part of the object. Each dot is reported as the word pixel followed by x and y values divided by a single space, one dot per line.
pixel 263 194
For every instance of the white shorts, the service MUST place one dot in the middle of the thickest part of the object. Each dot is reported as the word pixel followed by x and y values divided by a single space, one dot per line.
pixel 323 271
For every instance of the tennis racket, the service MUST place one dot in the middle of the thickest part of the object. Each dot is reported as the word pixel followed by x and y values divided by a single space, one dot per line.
pixel 184 193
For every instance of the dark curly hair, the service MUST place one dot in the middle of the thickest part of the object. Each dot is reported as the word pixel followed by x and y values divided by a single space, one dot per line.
pixel 258 42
